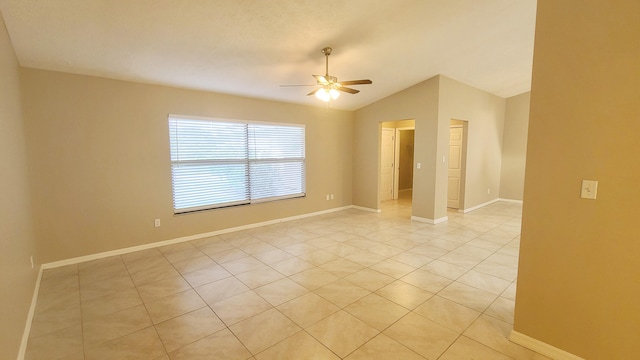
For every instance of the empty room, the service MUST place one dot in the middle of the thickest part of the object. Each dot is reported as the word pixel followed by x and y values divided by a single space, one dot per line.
pixel 361 179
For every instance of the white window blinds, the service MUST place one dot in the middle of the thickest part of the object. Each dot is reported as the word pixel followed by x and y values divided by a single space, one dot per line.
pixel 224 163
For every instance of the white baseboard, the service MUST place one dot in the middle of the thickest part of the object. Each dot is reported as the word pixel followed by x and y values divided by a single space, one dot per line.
pixel 366 209
pixel 511 200
pixel 541 347
pixel 32 310
pixel 429 221
pixel 464 211
pixel 152 245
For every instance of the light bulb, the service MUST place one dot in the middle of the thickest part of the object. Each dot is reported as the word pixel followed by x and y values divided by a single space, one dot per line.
pixel 323 95
pixel 334 94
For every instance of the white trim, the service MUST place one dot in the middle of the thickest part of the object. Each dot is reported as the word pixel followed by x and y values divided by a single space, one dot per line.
pixel 541 347
pixel 464 211
pixel 233 120
pixel 32 309
pixel 122 251
pixel 366 209
pixel 511 200
pixel 430 221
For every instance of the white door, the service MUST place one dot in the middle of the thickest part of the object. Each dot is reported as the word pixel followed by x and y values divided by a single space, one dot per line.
pixel 455 166
pixel 387 158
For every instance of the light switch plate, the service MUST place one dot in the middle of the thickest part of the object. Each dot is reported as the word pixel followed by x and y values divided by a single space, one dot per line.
pixel 589 189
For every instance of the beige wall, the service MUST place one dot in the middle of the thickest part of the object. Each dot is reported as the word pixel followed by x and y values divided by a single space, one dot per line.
pixel 484 114
pixel 17 241
pixel 419 102
pixel 100 154
pixel 514 146
pixel 432 104
pixel 578 280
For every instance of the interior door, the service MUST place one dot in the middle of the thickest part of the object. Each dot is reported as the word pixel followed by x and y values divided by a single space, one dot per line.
pixel 455 166
pixel 387 158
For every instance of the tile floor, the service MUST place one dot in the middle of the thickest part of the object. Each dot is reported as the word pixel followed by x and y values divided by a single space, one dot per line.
pixel 346 285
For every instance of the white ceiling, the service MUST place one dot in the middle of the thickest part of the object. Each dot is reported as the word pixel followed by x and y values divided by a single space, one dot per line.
pixel 251 47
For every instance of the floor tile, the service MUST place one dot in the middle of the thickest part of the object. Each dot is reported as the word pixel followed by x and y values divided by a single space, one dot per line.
pixel 143 344
pixel 291 266
pixel 112 326
pixel 300 345
pixel 502 308
pixel 445 269
pixel 308 309
pixel 448 313
pixel 264 330
pixel 104 287
pixel 280 291
pixel 412 259
pixel 222 345
pixel 383 347
pixel 221 289
pixel 404 294
pixel 241 265
pixel 468 296
pixel 318 287
pixel 484 282
pixel 192 264
pixel 342 292
pixel 376 311
pixel 240 307
pixel 314 278
pixel 162 288
pixel 190 327
pixel 318 257
pixel 110 303
pixel 168 307
pixel 342 332
pixel 260 276
pixel 60 344
pixel 61 316
pixel 427 281
pixel 494 333
pixel 273 256
pixel 422 335
pixel 365 258
pixel 370 279
pixel 341 267
pixel 393 268
pixel 465 348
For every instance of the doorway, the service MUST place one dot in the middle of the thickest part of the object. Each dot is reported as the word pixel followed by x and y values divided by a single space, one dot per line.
pixel 396 164
pixel 456 168
pixel 403 176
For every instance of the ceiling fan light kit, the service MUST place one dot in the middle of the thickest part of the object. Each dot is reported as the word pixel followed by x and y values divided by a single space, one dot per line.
pixel 330 87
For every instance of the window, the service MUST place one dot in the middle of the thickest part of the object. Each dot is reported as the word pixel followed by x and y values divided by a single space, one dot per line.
pixel 219 163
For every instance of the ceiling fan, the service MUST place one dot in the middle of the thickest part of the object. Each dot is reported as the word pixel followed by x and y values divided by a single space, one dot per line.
pixel 329 86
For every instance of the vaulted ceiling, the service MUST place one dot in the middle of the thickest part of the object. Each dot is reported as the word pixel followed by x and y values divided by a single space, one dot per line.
pixel 251 47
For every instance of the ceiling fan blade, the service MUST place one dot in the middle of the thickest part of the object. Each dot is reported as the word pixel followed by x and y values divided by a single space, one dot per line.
pixel 347 90
pixel 321 79
pixel 313 92
pixel 356 82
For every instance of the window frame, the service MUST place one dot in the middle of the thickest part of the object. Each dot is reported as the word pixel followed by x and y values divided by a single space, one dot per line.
pixel 248 160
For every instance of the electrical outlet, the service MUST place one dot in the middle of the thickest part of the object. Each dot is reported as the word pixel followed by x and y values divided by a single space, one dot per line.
pixel 589 189
pixel 488 191
pixel 327 196
pixel 156 223
pixel 32 261
pixel 331 196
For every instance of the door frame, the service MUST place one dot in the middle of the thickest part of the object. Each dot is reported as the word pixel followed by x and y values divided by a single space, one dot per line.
pixel 396 170
pixel 393 178
pixel 463 160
